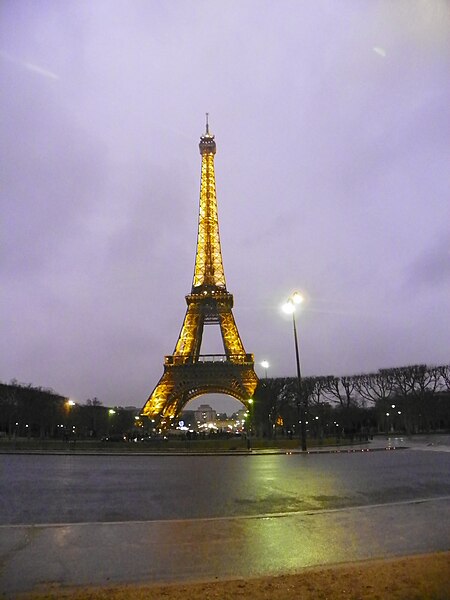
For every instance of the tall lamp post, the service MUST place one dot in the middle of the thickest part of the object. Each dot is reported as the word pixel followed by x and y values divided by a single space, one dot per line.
pixel 290 307
pixel 250 420
pixel 265 365
pixel 111 413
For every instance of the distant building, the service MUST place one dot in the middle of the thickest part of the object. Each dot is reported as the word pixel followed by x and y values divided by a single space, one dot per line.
pixel 205 414
pixel 222 417
pixel 240 415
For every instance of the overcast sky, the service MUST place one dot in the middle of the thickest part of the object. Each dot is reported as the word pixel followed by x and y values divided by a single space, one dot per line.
pixel 332 125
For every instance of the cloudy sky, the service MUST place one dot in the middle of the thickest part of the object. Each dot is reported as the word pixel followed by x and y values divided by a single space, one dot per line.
pixel 332 125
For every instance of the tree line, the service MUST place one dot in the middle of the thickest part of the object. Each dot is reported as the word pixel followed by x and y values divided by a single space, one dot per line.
pixel 28 411
pixel 409 399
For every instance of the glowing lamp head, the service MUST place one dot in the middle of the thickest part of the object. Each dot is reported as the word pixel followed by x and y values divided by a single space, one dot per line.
pixel 288 307
pixel 292 302
pixel 265 364
pixel 297 298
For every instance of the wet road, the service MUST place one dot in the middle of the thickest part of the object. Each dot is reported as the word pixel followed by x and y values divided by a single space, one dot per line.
pixel 74 520
pixel 74 489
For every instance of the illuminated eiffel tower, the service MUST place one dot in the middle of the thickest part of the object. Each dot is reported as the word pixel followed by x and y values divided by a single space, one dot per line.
pixel 187 373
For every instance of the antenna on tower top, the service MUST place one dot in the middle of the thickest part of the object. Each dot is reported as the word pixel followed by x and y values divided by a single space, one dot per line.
pixel 207 125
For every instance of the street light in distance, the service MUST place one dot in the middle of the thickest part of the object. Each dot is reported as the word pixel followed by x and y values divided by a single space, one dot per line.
pixel 265 365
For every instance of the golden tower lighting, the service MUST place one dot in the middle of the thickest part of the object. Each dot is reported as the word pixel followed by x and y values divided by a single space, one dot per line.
pixel 187 373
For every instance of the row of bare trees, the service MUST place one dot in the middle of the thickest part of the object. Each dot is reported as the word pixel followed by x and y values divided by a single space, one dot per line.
pixel 29 408
pixel 406 399
pixel 28 411
pixel 410 399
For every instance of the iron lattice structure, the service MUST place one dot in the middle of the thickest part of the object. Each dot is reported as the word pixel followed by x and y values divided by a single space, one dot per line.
pixel 187 373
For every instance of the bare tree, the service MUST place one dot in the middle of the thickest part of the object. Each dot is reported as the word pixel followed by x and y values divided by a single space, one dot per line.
pixel 341 389
pixel 318 390
pixel 444 376
pixel 413 384
pixel 9 403
pixel 375 387
pixel 94 405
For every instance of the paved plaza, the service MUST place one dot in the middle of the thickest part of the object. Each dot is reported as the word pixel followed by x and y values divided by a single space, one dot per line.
pixel 74 520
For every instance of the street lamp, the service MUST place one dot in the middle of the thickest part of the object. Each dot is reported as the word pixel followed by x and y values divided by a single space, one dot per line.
pixel 250 401
pixel 289 307
pixel 265 365
pixel 69 405
pixel 250 419
pixel 111 413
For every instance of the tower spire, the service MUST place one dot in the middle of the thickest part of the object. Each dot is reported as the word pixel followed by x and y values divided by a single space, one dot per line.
pixel 208 261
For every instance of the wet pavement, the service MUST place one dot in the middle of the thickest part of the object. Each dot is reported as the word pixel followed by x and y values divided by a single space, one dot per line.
pixel 73 520
pixel 46 489
pixel 155 551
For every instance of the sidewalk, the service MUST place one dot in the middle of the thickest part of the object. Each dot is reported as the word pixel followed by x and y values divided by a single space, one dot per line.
pixel 373 445
pixel 191 550
pixel 406 578
pixel 430 443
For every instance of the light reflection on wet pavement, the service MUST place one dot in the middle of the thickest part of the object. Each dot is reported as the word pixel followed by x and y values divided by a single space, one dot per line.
pixel 147 518
pixel 74 488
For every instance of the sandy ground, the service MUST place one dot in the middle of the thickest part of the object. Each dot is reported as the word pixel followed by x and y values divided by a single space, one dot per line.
pixel 425 577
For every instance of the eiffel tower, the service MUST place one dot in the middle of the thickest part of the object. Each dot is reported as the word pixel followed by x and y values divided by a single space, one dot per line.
pixel 187 373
